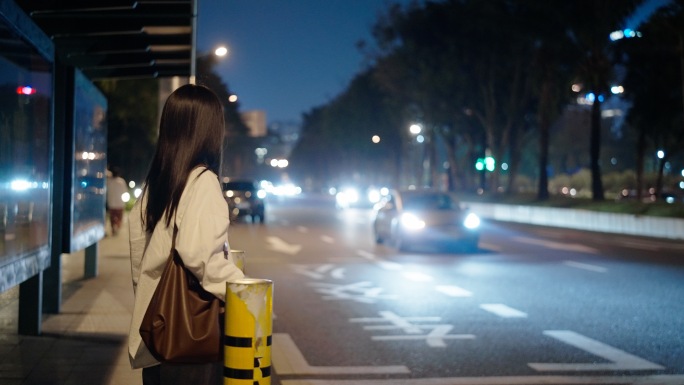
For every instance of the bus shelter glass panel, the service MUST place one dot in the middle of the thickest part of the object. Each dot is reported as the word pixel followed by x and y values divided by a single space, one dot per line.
pixel 89 165
pixel 25 151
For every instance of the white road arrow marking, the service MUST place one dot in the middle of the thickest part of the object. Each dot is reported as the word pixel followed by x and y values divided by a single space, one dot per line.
pixel 620 360
pixel 279 245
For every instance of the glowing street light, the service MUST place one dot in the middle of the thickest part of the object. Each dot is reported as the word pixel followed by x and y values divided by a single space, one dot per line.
pixel 415 129
pixel 221 51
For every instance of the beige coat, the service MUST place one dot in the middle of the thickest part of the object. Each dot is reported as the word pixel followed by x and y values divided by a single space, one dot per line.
pixel 202 220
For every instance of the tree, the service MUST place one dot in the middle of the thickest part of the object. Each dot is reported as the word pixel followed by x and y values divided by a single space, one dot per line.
pixel 654 71
pixel 592 24
pixel 450 62
pixel 237 145
pixel 336 138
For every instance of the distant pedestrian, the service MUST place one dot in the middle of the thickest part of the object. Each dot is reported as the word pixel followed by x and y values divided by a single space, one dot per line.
pixel 116 187
pixel 182 197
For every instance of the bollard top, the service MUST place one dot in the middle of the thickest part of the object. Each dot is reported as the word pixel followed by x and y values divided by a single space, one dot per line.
pixel 250 281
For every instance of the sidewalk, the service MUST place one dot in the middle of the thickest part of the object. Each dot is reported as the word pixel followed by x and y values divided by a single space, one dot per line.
pixel 86 342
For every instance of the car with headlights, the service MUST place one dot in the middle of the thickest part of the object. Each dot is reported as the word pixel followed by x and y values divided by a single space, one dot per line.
pixel 409 218
pixel 357 197
pixel 245 199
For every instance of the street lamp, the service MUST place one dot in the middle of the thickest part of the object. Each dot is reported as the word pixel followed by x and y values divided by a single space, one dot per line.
pixel 219 51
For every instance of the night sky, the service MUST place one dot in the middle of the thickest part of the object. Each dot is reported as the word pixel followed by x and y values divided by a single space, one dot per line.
pixel 287 56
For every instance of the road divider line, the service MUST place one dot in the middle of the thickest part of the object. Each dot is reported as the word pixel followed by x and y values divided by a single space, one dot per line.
pixel 453 291
pixel 417 276
pixel 557 245
pixel 288 359
pixel 502 310
pixel 586 266
pixel 387 265
pixel 619 360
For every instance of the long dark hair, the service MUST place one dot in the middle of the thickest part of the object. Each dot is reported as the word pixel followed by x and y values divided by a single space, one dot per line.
pixel 190 134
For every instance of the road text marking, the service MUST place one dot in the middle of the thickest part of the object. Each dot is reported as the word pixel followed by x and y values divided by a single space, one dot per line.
pixel 434 338
pixel 363 292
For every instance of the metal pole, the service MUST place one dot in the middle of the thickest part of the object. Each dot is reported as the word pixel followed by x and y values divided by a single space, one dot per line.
pixel 248 328
pixel 193 49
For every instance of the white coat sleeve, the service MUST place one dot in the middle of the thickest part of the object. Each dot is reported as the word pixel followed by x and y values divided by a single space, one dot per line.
pixel 202 234
pixel 137 240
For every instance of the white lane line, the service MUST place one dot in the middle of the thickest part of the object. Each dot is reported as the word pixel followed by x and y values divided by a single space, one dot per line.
pixel 327 239
pixel 640 245
pixel 502 310
pixel 417 276
pixel 387 265
pixel 288 359
pixel 513 380
pixel 557 245
pixel 586 266
pixel 620 360
pixel 390 265
pixel 453 291
pixel 302 229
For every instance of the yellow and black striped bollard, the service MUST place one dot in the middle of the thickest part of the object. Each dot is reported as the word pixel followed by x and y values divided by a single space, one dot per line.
pixel 248 328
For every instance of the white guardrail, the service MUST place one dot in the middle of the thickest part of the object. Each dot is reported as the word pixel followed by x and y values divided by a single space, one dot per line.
pixel 657 227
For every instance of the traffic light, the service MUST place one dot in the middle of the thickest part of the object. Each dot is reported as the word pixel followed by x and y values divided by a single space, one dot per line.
pixel 488 163
pixel 479 165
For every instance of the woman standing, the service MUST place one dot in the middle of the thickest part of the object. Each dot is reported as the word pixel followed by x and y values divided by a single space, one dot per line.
pixel 182 190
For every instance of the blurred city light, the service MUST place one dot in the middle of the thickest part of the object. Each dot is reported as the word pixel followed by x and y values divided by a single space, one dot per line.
pixel 26 90
pixel 626 33
pixel 232 98
pixel 221 51
pixel 375 139
pixel 415 129
pixel 660 154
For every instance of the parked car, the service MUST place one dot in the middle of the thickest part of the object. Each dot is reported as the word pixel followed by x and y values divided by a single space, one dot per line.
pixel 245 198
pixel 427 217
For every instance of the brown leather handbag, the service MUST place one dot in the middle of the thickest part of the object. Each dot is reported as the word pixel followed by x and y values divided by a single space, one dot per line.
pixel 182 324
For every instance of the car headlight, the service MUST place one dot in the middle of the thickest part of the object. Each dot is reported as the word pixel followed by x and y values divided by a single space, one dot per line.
pixel 471 221
pixel 374 196
pixel 411 222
